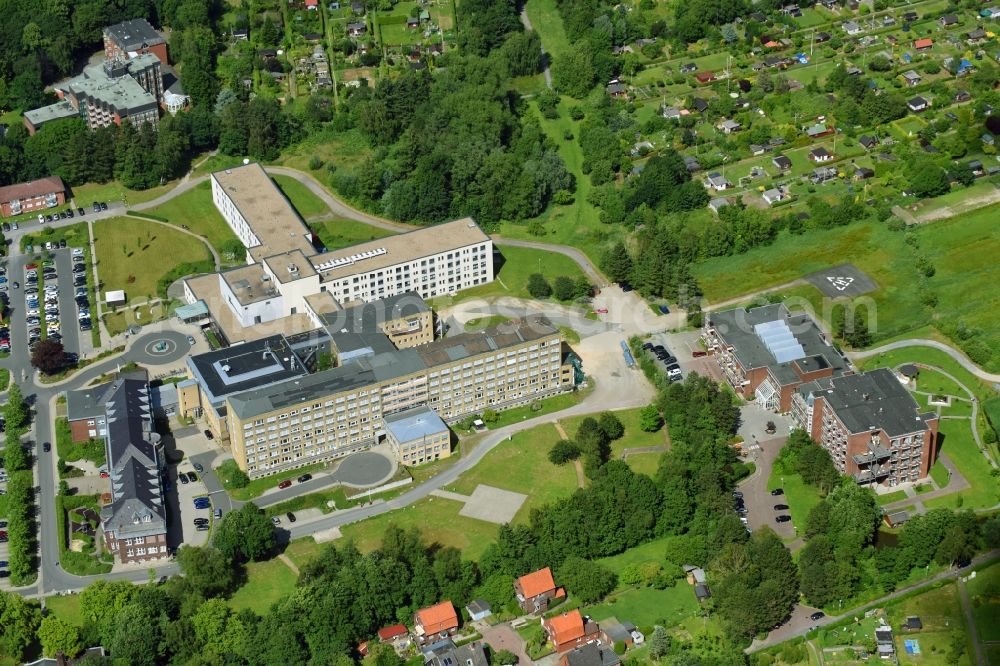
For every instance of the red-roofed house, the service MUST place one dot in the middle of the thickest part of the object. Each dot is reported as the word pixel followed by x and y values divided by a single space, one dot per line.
pixel 397 636
pixel 569 631
pixel 436 622
pixel 312 4
pixel 704 77
pixel 534 591
pixel 32 197
pixel 922 44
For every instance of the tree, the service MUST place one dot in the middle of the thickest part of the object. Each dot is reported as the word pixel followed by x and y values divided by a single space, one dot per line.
pixel 206 569
pixel 928 180
pixel 503 658
pixel 49 356
pixel 659 643
pixel 231 474
pixel 245 534
pixel 538 287
pixel 650 419
pixel 611 425
pixel 19 620
pixel 617 263
pixel 16 411
pixel 57 636
pixel 563 288
pixel 586 580
pixel 563 451
pixel 573 71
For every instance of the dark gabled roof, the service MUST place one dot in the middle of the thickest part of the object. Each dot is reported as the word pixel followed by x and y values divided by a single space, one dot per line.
pixel 590 654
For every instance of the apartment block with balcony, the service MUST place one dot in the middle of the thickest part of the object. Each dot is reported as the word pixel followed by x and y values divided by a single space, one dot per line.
pixel 32 197
pixel 871 425
pixel 766 353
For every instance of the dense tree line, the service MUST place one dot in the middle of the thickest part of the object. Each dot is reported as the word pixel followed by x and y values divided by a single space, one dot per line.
pixel 451 145
pixel 21 528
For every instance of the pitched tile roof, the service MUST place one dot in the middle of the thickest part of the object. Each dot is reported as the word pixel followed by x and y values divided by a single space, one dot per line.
pixel 436 618
pixel 536 583
pixel 34 188
pixel 566 627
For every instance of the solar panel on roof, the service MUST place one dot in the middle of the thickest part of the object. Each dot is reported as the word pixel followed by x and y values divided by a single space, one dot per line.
pixel 779 341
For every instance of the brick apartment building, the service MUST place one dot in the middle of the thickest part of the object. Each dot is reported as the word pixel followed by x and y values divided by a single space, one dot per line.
pixel 534 591
pixel 134 523
pixel 766 353
pixel 128 39
pixel 871 425
pixel 32 197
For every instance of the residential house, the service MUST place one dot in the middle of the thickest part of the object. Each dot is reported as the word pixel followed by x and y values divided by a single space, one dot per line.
pixel 717 181
pixel 867 142
pixel 412 22
pixel 688 68
pixel 822 37
pixel 616 89
pixel 923 44
pixel 852 28
pixel 626 633
pixel 357 29
pixel 718 203
pixel 820 154
pixel 947 20
pixel 894 519
pixel 885 645
pixel 312 5
pixel 977 36
pixel 478 609
pixel 917 104
pixel 694 574
pixel 704 77
pixel 913 623
pixel 397 636
pixel 987 139
pixel 909 17
pixel 32 197
pixel 435 622
pixel 699 105
pixel 702 592
pixel 446 653
pixel 819 130
pixel 590 654
pixel 728 126
pixel 534 591
pixel 911 78
pixel 692 164
pixel 823 174
pixel 781 162
pixel 671 113
pixel 757 149
pixel 773 196
pixel 976 167
pixel 569 630
pixel 863 173
pixel 241 34
pixel 963 96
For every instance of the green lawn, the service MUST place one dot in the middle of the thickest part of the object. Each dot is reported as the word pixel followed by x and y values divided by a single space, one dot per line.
pixel 546 21
pixel 302 550
pixel 257 486
pixel 85 195
pixel 521 465
pixel 984 593
pixel 889 498
pixel 338 233
pixel 644 463
pixel 577 224
pixel 66 608
pixel 437 519
pixel 634 436
pixel 799 495
pixel 70 451
pixel 195 210
pixel 957 442
pixel 647 606
pixel 267 582
pixel 135 255
pixel 941 614
pixel 933 357
pixel 556 403
pixel 518 264
pixel 940 474
pixel 651 551
pixel 4 379
pixel 932 381
pixel 305 202
pixel 889 261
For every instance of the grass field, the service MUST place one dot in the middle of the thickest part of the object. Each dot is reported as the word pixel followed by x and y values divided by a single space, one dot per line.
pixel 519 263
pixel 85 195
pixel 940 474
pixel 195 210
pixel 647 606
pixel 436 518
pixel 941 614
pixel 651 551
pixel 934 357
pixel 522 465
pixel 302 550
pixel 889 498
pixel 338 233
pixel 932 381
pixel 644 463
pixel 799 496
pixel 134 255
pixel 577 224
pixel 305 202
pixel 545 19
pixel 984 593
pixel 889 261
pixel 634 436
pixel 266 583
pixel 66 608
pixel 962 450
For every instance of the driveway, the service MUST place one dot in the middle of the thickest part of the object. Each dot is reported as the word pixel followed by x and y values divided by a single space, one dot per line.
pixel 503 637
pixel 762 449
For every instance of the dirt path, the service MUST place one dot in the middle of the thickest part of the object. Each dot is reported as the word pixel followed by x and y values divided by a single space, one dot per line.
pixel 581 479
pixel 288 562
pixel 963 206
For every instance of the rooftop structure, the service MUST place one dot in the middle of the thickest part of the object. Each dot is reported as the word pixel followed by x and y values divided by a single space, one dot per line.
pixel 134 37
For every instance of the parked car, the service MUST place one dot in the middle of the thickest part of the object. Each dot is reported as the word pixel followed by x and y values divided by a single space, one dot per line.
pixel 304 478
pixel 781 507
pixel 192 477
pixel 46 446
pixel 182 478
pixel 209 435
pixel 198 468
pixel 285 484
pixel 290 516
pixel 818 615
pixel 275 520
pixel 782 519
pixel 777 491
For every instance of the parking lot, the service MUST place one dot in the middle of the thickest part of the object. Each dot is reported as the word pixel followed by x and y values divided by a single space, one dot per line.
pixel 185 511
pixel 41 296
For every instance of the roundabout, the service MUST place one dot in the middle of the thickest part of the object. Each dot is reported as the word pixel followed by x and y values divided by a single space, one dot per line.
pixel 157 348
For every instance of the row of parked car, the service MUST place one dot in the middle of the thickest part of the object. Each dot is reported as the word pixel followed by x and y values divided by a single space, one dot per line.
pixel 674 373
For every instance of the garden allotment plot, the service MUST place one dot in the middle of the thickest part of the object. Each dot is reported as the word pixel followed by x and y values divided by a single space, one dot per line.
pixel 845 280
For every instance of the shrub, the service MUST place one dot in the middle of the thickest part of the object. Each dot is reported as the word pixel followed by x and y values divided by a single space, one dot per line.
pixel 232 476
pixel 563 451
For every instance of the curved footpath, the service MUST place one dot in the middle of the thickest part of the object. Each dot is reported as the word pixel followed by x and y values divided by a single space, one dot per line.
pixel 962 359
